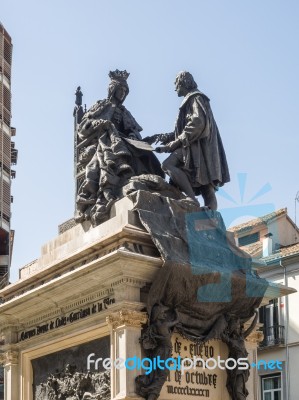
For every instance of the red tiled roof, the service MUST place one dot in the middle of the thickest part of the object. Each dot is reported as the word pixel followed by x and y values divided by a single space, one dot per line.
pixel 264 220
pixel 283 252
pixel 254 249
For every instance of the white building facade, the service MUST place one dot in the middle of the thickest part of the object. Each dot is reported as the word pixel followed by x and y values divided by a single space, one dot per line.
pixel 273 239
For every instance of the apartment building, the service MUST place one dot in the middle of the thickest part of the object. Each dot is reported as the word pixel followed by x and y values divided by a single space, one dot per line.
pixel 8 156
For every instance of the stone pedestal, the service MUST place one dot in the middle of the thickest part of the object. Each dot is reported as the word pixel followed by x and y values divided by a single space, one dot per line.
pixel 88 285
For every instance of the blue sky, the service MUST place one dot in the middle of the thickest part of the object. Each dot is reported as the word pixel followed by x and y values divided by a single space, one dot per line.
pixel 243 55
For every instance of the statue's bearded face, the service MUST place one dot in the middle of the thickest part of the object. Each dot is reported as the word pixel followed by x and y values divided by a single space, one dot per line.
pixel 184 83
pixel 180 87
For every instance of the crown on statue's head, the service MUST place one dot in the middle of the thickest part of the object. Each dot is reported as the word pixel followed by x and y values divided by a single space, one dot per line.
pixel 120 76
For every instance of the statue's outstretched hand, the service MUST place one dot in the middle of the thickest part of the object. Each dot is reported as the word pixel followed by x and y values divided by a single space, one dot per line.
pixel 151 139
pixel 163 138
pixel 162 149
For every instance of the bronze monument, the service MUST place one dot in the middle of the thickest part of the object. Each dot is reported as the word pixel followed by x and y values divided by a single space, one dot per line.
pixel 206 288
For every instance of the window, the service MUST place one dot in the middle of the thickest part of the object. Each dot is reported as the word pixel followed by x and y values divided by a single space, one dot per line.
pixel 272 318
pixel 248 239
pixel 271 388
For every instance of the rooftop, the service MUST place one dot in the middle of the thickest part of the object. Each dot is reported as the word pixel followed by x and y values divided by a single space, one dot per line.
pixel 264 220
pixel 4 32
pixel 254 249
pixel 283 252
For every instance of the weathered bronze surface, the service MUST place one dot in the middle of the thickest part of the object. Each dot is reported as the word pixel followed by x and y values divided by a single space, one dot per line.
pixel 63 375
pixel 109 151
pixel 197 164
pixel 206 288
pixel 70 384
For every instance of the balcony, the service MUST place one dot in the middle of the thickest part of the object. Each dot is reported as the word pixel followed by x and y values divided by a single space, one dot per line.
pixel 273 336
pixel 14 154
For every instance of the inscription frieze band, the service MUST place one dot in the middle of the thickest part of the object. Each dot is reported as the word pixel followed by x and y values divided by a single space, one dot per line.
pixel 67 319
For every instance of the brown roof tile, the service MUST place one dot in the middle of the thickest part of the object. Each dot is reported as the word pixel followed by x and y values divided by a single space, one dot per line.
pixel 253 249
pixel 264 220
pixel 286 251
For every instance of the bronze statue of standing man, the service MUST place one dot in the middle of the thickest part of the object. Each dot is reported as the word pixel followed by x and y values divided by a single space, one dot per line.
pixel 197 163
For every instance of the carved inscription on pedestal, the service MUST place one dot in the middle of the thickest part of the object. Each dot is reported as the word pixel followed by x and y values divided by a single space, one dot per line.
pixel 195 380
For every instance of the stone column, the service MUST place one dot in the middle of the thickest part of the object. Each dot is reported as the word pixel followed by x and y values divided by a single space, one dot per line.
pixel 252 342
pixel 10 360
pixel 125 333
pixel 9 357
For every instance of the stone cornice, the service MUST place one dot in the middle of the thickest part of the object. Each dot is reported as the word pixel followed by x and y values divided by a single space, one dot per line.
pixel 69 306
pixel 135 269
pixel 119 240
pixel 127 318
pixel 127 281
